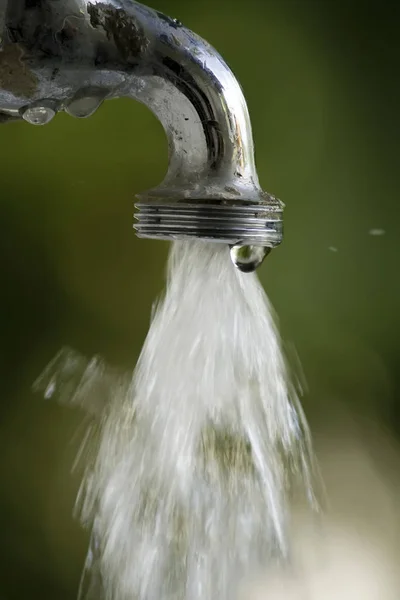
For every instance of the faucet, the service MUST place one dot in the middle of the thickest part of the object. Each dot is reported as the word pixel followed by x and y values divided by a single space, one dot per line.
pixel 72 55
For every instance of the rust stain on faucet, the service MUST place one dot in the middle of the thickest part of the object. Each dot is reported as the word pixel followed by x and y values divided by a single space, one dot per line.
pixel 127 34
pixel 14 74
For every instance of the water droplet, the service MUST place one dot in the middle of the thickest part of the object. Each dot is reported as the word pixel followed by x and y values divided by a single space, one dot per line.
pixel 333 248
pixel 377 232
pixel 248 258
pixel 84 107
pixel 38 115
pixel 50 389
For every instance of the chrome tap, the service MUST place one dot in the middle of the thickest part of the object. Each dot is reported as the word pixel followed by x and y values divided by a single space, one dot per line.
pixel 71 55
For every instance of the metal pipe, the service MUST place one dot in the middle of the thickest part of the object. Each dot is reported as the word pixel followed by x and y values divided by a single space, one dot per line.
pixel 71 55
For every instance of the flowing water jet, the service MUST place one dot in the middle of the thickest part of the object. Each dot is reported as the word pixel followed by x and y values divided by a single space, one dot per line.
pixel 188 491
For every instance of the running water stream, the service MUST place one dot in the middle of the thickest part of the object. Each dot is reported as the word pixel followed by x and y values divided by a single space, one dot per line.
pixel 187 492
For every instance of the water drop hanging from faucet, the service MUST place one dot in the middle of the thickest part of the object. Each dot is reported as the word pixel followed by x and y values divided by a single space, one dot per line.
pixel 85 103
pixel 248 258
pixel 38 115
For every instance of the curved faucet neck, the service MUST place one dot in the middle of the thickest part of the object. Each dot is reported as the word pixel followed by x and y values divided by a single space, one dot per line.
pixel 120 47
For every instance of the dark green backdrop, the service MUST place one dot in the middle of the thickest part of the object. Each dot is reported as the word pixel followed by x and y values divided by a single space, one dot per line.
pixel 322 84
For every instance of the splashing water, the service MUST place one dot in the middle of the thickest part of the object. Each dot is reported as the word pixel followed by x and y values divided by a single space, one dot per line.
pixel 187 493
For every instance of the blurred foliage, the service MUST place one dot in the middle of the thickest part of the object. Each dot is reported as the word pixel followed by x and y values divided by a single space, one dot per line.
pixel 321 83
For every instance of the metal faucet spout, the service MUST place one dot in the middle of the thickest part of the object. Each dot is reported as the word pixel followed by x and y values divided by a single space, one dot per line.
pixel 71 55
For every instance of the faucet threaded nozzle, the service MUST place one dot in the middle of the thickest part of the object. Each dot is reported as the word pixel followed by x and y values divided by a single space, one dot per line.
pixel 233 223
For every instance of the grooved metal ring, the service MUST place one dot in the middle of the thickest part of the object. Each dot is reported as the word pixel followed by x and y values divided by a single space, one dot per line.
pixel 230 223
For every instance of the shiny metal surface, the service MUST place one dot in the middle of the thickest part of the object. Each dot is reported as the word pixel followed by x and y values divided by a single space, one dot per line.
pixel 71 55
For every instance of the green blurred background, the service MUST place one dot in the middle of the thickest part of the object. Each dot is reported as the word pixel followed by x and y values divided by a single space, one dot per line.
pixel 321 81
